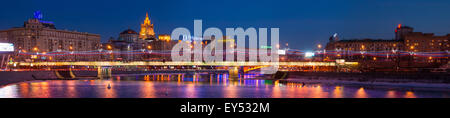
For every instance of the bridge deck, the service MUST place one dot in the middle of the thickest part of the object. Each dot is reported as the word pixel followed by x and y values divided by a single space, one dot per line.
pixel 143 63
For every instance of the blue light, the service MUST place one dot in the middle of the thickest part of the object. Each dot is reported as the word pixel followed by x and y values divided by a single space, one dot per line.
pixel 48 22
pixel 38 15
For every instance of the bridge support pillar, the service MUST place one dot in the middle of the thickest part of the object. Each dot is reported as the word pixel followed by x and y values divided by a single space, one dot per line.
pixel 99 72
pixel 103 72
pixel 233 72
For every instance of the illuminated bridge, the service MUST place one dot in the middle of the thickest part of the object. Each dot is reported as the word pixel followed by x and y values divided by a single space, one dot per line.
pixel 104 67
pixel 144 63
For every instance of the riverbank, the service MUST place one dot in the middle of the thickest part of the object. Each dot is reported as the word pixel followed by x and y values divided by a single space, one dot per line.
pixel 427 80
pixel 11 77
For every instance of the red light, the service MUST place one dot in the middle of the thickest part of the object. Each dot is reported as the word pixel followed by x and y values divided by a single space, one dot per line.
pixel 399 26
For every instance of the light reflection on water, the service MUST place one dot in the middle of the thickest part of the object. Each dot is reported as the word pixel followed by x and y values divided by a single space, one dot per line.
pixel 201 86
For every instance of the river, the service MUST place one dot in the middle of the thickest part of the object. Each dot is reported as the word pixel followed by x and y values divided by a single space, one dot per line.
pixel 205 85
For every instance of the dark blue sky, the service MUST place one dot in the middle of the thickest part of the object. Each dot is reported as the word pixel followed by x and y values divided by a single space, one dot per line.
pixel 302 23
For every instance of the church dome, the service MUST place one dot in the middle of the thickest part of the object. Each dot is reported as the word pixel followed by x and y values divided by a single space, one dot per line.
pixel 129 31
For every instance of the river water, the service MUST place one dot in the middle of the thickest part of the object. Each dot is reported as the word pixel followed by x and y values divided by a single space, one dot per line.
pixel 205 85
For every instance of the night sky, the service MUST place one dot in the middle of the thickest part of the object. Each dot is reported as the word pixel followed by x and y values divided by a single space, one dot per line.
pixel 302 24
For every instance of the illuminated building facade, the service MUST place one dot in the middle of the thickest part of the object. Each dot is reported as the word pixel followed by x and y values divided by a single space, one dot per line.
pixel 128 41
pixel 37 36
pixel 408 49
pixel 426 42
pixel 145 40
pixel 147 30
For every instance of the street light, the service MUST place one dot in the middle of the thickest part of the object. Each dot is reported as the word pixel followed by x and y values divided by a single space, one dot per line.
pixel 35 49
pixel 109 47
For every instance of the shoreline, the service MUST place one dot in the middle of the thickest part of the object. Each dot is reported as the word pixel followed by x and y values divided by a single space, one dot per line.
pixel 386 84
pixel 13 77
pixel 412 80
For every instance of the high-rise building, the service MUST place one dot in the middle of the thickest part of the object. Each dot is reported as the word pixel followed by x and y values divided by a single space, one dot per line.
pixel 147 30
pixel 402 31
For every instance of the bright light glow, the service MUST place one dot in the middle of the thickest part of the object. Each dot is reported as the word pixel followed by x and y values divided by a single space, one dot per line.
pixel 340 61
pixel 266 47
pixel 6 47
pixel 282 52
pixel 309 54
pixel 139 63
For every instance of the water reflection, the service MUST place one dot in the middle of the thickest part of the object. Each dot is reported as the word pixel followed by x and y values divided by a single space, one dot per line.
pixel 9 92
pixel 391 94
pixel 199 85
pixel 410 94
pixel 361 93
pixel 338 93
pixel 71 89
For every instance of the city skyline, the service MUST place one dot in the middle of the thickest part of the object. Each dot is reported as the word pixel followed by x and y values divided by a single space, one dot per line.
pixel 211 58
pixel 310 22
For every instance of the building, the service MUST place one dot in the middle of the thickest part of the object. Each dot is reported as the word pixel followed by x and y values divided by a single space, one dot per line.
pixel 129 35
pixel 147 30
pixel 402 31
pixel 38 36
pixel 126 44
pixel 421 42
pixel 369 45
pixel 144 45
pixel 161 47
pixel 408 49
pixel 426 42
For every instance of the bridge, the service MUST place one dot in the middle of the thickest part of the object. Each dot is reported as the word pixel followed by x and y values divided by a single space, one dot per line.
pixel 234 68
pixel 145 63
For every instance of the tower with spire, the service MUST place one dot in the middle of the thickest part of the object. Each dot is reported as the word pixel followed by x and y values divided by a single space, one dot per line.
pixel 147 30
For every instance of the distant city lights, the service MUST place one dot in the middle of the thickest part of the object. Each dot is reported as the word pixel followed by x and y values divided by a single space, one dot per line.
pixel 6 47
pixel 282 52
pixel 309 54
